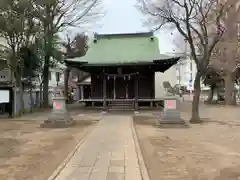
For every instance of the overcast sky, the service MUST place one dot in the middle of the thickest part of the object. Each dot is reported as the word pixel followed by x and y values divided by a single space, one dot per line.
pixel 123 17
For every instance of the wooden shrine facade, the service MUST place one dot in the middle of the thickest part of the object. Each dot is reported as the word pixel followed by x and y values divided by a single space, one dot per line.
pixel 131 84
pixel 122 86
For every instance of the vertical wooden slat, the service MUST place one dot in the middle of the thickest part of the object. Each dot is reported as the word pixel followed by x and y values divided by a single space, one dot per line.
pixel 104 92
pixel 136 92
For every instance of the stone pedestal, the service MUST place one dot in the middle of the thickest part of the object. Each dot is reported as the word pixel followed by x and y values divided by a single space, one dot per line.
pixel 171 113
pixel 59 118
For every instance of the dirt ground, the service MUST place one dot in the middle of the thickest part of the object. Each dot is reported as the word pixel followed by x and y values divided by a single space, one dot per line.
pixel 28 152
pixel 210 151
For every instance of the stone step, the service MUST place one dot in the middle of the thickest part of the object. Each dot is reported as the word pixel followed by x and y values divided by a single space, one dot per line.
pixel 120 109
pixel 120 104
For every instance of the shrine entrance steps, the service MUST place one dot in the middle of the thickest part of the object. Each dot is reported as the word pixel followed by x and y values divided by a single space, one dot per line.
pixel 120 105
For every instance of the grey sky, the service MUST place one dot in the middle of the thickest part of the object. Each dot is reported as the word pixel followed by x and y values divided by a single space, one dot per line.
pixel 123 17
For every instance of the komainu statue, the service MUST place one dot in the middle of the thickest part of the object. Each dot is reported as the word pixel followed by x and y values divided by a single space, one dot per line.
pixel 169 90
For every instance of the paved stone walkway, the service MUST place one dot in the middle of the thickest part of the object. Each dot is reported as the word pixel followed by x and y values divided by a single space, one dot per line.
pixel 107 153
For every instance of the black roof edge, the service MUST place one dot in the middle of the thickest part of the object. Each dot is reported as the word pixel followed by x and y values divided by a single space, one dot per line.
pixel 71 62
pixel 120 35
pixel 173 59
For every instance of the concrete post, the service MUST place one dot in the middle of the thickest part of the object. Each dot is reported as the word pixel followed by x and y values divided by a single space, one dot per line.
pixel 114 87
pixel 81 92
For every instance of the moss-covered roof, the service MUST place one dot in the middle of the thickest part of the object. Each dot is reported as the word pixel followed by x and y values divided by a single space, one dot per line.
pixel 122 49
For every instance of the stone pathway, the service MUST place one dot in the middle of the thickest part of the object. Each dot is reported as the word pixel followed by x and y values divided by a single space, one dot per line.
pixel 107 153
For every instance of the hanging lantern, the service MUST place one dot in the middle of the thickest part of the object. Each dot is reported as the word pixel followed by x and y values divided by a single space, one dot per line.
pixel 129 77
pixel 108 78
pixel 124 77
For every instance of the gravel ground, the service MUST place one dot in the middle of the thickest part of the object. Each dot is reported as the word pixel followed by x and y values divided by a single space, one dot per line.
pixel 28 152
pixel 210 151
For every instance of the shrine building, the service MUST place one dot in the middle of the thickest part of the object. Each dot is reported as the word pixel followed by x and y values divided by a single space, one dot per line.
pixel 122 69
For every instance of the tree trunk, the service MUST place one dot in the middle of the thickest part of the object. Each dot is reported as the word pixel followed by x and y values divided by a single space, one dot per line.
pixel 41 95
pixel 66 78
pixel 195 104
pixel 45 82
pixel 210 94
pixel 229 89
pixel 31 99
pixel 21 91
pixel 48 53
pixel 20 86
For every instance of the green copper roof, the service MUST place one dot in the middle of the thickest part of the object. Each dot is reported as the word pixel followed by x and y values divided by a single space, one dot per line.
pixel 122 49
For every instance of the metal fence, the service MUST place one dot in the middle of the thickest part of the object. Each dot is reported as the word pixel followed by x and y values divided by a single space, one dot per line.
pixel 204 96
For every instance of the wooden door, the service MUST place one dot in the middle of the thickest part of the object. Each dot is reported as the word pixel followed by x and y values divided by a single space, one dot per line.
pixel 120 88
pixel 131 88
pixel 86 91
pixel 110 88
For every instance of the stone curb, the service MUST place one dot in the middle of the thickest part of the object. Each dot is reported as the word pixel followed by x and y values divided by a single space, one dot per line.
pixel 57 171
pixel 143 169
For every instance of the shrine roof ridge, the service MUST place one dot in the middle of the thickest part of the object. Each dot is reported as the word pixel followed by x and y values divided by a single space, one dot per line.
pixel 126 35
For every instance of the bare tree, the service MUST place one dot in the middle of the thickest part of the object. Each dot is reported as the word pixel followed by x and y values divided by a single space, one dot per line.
pixel 59 15
pixel 225 59
pixel 75 48
pixel 199 22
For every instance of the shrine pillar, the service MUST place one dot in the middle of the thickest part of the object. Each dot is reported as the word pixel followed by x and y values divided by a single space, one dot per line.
pixel 136 106
pixel 104 92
